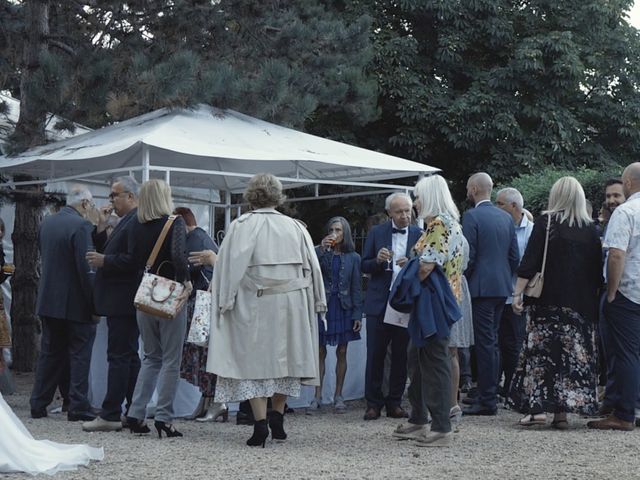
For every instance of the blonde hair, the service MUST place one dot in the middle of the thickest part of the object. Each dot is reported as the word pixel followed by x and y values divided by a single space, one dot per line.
pixel 154 200
pixel 568 203
pixel 435 198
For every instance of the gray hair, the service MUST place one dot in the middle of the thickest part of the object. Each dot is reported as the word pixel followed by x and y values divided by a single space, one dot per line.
pixel 512 195
pixel 129 184
pixel 389 200
pixel 77 194
pixel 435 197
pixel 264 190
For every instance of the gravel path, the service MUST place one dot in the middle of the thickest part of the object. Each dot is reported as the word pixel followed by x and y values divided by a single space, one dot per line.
pixel 328 446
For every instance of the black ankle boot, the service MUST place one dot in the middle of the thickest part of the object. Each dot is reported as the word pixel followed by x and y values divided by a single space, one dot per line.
pixel 260 434
pixel 276 420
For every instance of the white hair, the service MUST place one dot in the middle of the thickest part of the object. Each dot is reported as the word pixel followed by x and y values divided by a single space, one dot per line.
pixel 435 198
pixel 512 195
pixel 389 200
pixel 77 194
pixel 567 202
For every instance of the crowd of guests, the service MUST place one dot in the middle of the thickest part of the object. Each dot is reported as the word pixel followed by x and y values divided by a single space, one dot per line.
pixel 278 301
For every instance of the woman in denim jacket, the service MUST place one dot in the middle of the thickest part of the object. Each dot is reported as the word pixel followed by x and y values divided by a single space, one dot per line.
pixel 341 273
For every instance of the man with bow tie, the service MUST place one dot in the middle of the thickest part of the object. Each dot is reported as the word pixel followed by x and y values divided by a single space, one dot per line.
pixel 116 283
pixel 385 252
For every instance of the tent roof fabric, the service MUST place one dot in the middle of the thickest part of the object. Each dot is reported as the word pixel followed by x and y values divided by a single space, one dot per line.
pixel 208 148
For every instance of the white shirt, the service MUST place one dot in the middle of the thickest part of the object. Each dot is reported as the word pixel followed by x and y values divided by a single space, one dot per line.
pixel 623 233
pixel 399 245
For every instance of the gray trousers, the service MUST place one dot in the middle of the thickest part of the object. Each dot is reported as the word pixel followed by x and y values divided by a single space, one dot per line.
pixel 430 387
pixel 162 347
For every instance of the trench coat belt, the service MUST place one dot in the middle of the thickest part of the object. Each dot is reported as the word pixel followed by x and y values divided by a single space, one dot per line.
pixel 271 286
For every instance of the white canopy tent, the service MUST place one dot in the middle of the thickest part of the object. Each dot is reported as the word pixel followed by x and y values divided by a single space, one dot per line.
pixel 209 149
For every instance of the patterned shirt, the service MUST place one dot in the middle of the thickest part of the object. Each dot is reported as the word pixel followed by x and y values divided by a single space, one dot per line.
pixel 623 233
pixel 442 244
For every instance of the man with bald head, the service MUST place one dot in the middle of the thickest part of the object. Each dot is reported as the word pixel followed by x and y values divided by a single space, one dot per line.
pixel 622 305
pixel 493 259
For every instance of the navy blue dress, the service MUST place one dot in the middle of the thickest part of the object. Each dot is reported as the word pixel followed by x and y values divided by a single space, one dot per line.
pixel 339 321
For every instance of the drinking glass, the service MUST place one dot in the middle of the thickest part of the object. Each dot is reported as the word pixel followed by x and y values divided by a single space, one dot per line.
pixel 91 248
pixel 389 260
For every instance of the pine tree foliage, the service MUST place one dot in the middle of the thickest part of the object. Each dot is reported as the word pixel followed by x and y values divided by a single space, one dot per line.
pixel 509 85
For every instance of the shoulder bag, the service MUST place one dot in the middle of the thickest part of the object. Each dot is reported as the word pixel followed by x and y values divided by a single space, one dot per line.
pixel 534 286
pixel 201 320
pixel 158 295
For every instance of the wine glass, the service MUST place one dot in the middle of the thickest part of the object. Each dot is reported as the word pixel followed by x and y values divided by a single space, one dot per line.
pixel 332 237
pixel 91 248
pixel 389 260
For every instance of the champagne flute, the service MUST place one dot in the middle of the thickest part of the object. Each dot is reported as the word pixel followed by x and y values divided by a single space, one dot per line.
pixel 390 259
pixel 91 248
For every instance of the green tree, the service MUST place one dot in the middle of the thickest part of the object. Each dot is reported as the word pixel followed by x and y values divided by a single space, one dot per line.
pixel 508 86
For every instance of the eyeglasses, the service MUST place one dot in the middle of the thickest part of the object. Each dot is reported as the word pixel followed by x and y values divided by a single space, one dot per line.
pixel 113 195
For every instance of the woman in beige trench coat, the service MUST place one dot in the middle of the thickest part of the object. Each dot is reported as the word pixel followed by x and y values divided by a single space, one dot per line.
pixel 267 293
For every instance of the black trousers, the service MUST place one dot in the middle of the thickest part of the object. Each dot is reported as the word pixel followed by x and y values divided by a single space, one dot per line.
pixel 124 365
pixel 512 334
pixel 64 342
pixel 379 336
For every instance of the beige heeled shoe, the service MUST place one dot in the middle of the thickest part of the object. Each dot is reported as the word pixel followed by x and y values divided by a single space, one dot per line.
pixel 214 411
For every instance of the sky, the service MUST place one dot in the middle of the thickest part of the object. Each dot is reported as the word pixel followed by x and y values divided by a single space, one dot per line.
pixel 634 15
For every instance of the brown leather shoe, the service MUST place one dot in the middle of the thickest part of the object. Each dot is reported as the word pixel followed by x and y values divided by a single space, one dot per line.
pixel 397 412
pixel 611 423
pixel 372 414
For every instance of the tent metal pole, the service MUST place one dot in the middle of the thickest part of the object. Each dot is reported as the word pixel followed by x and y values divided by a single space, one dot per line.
pixel 145 163
pixel 227 209
pixel 167 177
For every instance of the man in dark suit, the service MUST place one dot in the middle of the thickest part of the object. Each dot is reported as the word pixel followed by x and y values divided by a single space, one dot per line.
pixel 493 258
pixel 386 250
pixel 65 306
pixel 116 283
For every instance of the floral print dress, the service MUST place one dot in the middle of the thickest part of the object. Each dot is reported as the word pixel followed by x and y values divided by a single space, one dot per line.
pixel 557 364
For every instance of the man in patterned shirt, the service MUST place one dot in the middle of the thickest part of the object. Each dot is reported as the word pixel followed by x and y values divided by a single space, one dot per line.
pixel 622 306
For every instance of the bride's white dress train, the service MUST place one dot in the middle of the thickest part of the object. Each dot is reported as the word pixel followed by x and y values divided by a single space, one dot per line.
pixel 20 452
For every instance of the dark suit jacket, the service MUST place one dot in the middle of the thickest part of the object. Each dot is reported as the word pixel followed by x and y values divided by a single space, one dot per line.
pixel 375 300
pixel 493 251
pixel 65 288
pixel 117 281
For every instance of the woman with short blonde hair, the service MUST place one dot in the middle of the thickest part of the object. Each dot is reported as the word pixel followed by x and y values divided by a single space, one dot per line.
pixel 567 203
pixel 162 338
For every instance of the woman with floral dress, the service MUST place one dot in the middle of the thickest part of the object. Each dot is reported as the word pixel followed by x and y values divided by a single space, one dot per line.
pixel 557 371
pixel 342 278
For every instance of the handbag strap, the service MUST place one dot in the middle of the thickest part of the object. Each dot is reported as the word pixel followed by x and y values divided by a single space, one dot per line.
pixel 546 245
pixel 159 242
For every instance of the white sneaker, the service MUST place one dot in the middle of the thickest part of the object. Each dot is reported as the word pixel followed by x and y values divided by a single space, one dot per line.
pixel 409 431
pixel 101 425
pixel 434 439
pixel 455 416
pixel 313 406
pixel 339 405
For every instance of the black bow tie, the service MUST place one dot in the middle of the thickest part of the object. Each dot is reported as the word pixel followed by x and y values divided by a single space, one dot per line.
pixel 398 230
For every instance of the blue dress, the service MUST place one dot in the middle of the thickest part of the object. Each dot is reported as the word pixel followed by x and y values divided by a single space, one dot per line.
pixel 339 321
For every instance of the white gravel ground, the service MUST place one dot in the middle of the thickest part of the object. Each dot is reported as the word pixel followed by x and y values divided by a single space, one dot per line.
pixel 328 446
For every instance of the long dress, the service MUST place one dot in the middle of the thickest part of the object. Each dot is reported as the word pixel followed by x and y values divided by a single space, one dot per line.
pixel 20 452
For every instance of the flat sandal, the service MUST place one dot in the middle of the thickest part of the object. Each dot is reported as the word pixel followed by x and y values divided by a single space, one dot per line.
pixel 529 420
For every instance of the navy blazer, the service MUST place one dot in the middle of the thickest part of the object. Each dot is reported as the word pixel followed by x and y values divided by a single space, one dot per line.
pixel 493 251
pixel 65 287
pixel 432 304
pixel 375 300
pixel 117 281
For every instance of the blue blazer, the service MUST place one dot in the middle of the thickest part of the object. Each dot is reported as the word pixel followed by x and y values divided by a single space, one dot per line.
pixel 375 300
pixel 493 251
pixel 117 281
pixel 432 304
pixel 65 290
